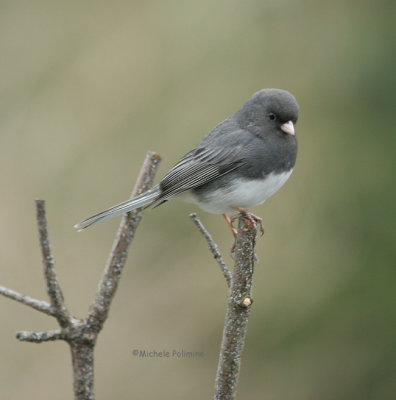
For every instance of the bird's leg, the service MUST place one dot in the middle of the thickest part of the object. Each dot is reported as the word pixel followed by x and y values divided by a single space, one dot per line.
pixel 251 217
pixel 233 230
pixel 229 223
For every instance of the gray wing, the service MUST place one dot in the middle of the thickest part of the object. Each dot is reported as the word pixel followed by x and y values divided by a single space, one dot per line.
pixel 199 166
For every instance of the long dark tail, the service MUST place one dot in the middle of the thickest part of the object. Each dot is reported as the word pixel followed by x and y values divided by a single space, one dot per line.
pixel 145 199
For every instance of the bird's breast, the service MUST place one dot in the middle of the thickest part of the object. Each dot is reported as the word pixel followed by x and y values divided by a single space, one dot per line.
pixel 238 192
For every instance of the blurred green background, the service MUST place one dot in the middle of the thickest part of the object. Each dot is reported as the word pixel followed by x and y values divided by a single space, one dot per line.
pixel 88 87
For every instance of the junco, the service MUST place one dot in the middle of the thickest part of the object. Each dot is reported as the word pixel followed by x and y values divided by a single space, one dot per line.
pixel 240 163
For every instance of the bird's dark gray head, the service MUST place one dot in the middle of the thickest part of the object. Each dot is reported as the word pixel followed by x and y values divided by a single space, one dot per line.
pixel 269 108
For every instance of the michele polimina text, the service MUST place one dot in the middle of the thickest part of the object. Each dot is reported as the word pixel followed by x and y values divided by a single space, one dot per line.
pixel 145 353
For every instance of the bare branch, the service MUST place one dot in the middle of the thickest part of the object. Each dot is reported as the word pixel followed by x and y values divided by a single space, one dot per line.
pixel 53 288
pixel 81 334
pixel 82 354
pixel 38 305
pixel 213 248
pixel 109 282
pixel 38 337
pixel 238 310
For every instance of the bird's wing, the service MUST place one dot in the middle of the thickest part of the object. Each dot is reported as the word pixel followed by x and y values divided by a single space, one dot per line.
pixel 198 167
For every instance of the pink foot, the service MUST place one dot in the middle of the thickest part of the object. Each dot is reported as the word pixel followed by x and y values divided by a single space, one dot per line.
pixel 251 217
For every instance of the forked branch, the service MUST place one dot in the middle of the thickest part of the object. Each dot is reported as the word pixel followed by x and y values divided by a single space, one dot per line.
pixel 238 306
pixel 81 334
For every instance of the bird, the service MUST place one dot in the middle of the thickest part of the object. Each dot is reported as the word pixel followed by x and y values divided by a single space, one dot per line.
pixel 240 163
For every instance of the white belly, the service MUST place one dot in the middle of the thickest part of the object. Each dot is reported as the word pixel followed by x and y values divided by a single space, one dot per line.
pixel 242 193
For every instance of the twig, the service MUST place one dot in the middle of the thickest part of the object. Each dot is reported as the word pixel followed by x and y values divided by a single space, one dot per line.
pixel 238 310
pixel 213 248
pixel 53 288
pixel 38 337
pixel 126 232
pixel 38 305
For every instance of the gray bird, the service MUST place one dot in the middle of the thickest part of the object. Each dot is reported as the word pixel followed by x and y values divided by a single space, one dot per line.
pixel 240 163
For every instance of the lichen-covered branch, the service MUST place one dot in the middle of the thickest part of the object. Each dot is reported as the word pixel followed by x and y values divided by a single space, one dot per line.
pixel 238 304
pixel 82 354
pixel 238 310
pixel 213 248
pixel 39 337
pixel 38 305
pixel 111 276
pixel 80 334
pixel 52 284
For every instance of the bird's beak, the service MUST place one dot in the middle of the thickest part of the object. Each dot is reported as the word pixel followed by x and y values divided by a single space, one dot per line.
pixel 288 127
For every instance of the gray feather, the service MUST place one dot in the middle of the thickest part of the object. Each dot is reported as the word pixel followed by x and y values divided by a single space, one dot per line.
pixel 197 168
pixel 144 200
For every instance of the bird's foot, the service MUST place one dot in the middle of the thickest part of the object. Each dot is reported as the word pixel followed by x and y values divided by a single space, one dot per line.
pixel 257 221
pixel 251 217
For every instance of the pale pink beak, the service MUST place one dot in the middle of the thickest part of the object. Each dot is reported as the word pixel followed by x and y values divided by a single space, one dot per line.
pixel 288 127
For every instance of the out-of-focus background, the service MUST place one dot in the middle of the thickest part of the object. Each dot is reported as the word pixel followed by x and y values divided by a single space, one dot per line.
pixel 88 87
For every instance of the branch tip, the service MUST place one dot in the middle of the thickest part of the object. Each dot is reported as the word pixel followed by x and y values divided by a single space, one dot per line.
pixel 38 305
pixel 53 287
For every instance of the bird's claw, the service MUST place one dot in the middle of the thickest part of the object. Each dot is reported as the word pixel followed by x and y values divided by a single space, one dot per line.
pixel 256 220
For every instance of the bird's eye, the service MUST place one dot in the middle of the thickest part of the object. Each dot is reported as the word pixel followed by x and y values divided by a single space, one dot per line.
pixel 272 116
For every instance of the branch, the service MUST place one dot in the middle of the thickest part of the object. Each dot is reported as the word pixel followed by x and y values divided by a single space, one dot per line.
pixel 213 248
pixel 38 305
pixel 238 310
pixel 80 334
pixel 53 288
pixel 38 337
pixel 108 285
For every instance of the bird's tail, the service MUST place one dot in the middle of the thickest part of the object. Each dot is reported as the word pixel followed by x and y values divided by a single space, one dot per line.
pixel 145 199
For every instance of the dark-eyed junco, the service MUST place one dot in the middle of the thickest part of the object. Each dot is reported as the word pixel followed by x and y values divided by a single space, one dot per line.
pixel 240 163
